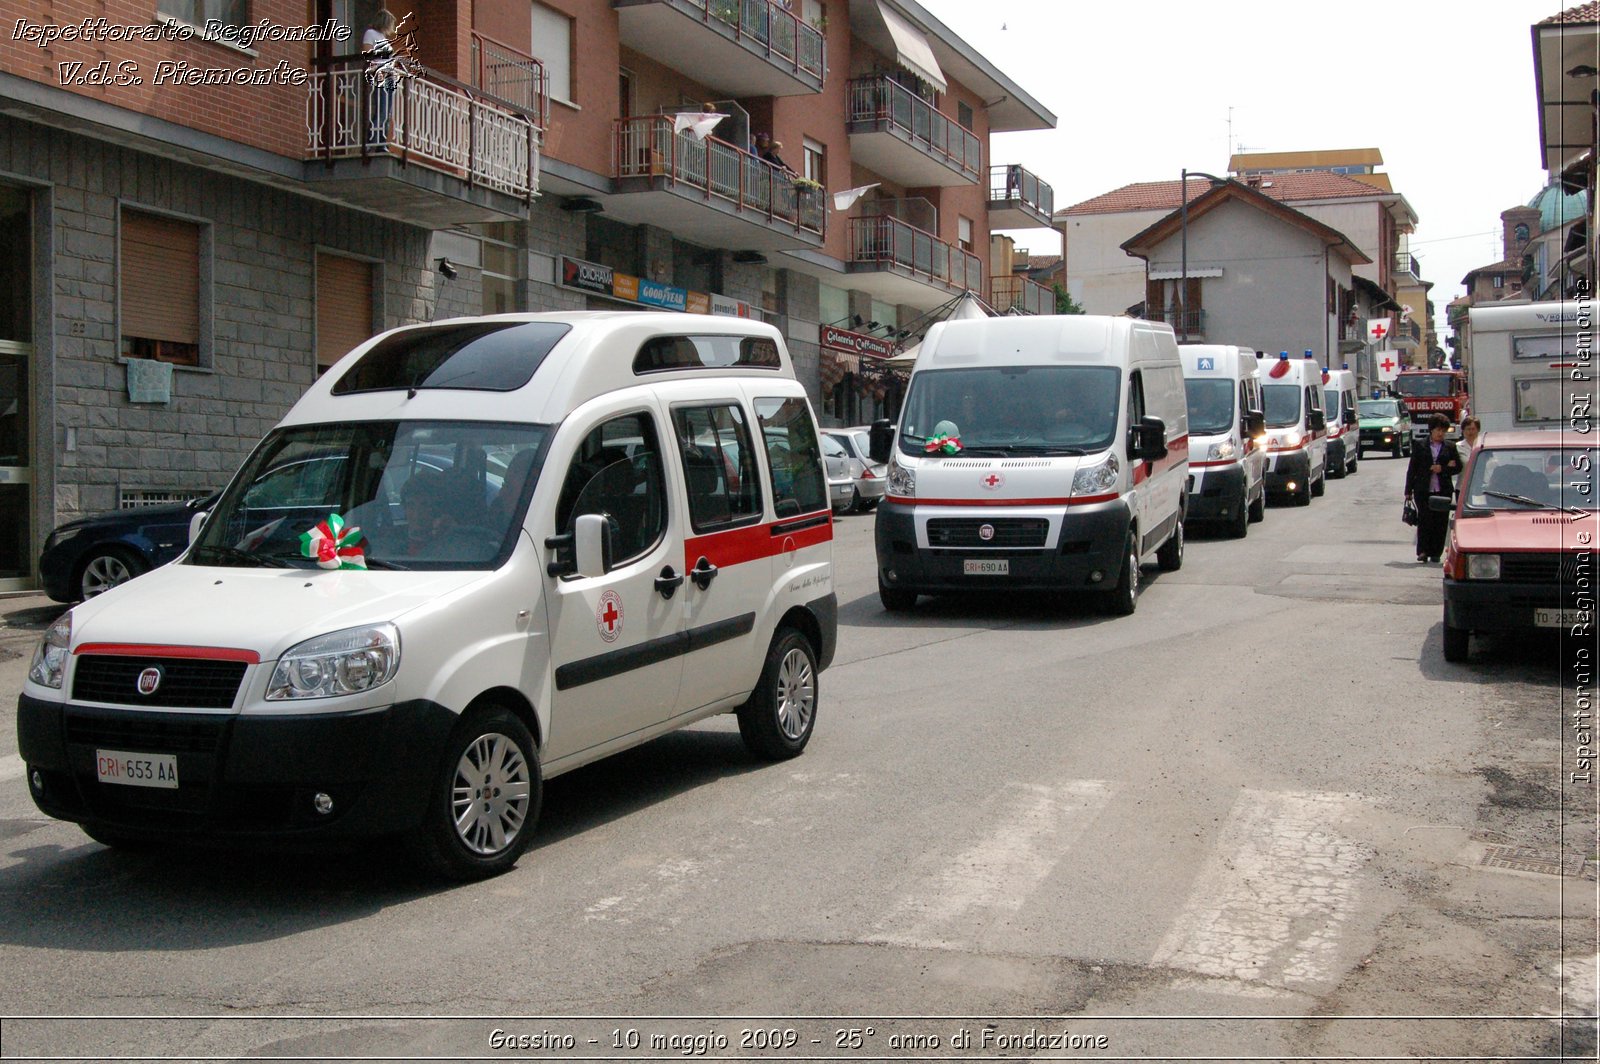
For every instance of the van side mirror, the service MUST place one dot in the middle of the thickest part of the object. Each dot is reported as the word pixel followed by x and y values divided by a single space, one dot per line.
pixel 195 522
pixel 1319 421
pixel 1255 423
pixel 1147 441
pixel 1350 418
pixel 880 439
pixel 592 544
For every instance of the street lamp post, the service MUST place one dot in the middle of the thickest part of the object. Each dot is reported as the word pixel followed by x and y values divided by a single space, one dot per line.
pixel 1183 268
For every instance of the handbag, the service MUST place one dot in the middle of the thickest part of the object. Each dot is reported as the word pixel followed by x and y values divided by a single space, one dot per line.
pixel 1408 513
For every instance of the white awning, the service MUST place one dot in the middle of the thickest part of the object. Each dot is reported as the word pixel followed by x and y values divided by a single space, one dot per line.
pixel 912 48
pixel 1194 271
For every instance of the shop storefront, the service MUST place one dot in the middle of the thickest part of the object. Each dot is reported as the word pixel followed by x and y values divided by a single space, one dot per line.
pixel 858 385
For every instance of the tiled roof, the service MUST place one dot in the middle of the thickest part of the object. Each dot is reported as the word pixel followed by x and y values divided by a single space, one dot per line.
pixel 1166 195
pixel 1043 262
pixel 1574 16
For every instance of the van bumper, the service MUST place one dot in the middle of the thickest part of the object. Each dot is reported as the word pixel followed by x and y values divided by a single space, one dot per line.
pixel 240 777
pixel 1219 492
pixel 1091 541
pixel 1288 467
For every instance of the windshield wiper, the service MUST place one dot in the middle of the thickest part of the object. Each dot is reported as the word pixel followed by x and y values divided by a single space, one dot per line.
pixel 985 452
pixel 1536 504
pixel 379 563
pixel 234 554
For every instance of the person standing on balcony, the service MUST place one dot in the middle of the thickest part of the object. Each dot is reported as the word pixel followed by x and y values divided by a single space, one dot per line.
pixel 771 155
pixel 378 47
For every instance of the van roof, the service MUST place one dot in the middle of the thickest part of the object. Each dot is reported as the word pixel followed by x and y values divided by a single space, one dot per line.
pixel 1030 339
pixel 592 357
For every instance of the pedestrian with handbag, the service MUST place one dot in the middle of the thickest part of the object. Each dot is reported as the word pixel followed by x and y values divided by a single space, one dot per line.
pixel 1432 472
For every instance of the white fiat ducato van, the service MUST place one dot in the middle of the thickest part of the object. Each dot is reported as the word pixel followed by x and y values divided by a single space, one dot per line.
pixel 1344 421
pixel 1227 463
pixel 475 555
pixel 1297 430
pixel 1033 453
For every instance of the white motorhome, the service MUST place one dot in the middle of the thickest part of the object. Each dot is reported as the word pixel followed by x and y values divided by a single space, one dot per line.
pixel 475 555
pixel 1297 429
pixel 1344 421
pixel 1035 452
pixel 1530 362
pixel 1227 462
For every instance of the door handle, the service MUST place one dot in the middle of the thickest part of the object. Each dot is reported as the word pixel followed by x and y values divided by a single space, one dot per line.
pixel 668 582
pixel 703 573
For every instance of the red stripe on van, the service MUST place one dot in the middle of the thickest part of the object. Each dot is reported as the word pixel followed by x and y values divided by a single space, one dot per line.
pixel 1177 451
pixel 903 501
pixel 755 542
pixel 157 650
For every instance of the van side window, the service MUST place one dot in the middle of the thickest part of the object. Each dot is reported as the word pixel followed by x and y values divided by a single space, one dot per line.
pixel 794 458
pixel 617 472
pixel 719 466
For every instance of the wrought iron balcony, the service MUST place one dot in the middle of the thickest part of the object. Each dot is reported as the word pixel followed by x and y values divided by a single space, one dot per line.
pixel 931 269
pixel 1018 199
pixel 898 134
pixel 1405 262
pixel 739 47
pixel 511 75
pixel 1021 294
pixel 425 119
pixel 720 192
pixel 1188 324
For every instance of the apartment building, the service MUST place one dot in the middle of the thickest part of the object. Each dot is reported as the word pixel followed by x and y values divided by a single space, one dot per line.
pixel 205 202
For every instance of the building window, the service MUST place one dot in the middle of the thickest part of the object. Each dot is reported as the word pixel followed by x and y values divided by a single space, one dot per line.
pixel 500 273
pixel 1499 280
pixel 552 45
pixel 344 306
pixel 964 232
pixel 624 92
pixel 199 12
pixel 159 288
pixel 964 115
pixel 814 159
pixel 1522 234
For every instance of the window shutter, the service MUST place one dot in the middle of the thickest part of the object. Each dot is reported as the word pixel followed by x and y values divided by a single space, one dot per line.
pixel 160 279
pixel 344 306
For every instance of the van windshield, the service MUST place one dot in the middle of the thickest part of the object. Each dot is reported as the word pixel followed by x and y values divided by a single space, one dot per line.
pixel 1057 410
pixel 1282 404
pixel 1423 384
pixel 1210 406
pixel 423 494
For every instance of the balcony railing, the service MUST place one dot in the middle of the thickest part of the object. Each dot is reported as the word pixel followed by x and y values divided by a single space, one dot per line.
pixel 511 75
pixel 769 27
pixel 647 147
pixel 890 242
pixel 1185 323
pixel 1405 262
pixel 423 117
pixel 1021 294
pixel 879 99
pixel 1016 185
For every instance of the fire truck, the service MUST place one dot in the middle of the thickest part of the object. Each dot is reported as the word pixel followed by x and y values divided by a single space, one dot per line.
pixel 1426 392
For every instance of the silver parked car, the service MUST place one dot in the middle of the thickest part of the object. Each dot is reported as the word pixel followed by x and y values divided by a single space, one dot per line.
pixel 869 479
pixel 841 485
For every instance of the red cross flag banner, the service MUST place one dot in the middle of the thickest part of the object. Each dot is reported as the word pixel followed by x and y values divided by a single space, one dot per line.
pixel 1377 330
pixel 1388 363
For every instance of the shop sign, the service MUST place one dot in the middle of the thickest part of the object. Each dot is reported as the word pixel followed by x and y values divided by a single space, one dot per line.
pixel 588 276
pixel 858 343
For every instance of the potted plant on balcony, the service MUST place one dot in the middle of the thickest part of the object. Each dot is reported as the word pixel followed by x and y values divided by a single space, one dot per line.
pixel 805 184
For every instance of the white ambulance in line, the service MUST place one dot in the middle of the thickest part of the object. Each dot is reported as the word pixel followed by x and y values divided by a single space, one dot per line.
pixel 1035 453
pixel 1297 429
pixel 1344 421
pixel 1227 463
pixel 477 554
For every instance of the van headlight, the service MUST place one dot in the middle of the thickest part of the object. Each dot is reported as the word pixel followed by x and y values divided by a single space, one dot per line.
pixel 1222 451
pixel 1097 479
pixel 339 663
pixel 49 666
pixel 1483 567
pixel 902 481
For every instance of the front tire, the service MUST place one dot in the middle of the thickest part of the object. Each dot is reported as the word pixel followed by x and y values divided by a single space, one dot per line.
pixel 1258 509
pixel 777 721
pixel 480 816
pixel 1239 526
pixel 1395 451
pixel 1122 600
pixel 1456 643
pixel 1320 486
pixel 1170 554
pixel 896 599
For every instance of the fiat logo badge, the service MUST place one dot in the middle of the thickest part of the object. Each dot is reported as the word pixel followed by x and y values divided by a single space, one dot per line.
pixel 149 680
pixel 986 532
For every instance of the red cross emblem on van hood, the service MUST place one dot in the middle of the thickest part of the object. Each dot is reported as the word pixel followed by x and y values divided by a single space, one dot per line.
pixel 992 481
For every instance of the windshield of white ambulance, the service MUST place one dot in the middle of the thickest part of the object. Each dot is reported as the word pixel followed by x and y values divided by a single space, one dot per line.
pixel 1001 410
pixel 1533 478
pixel 377 495
pixel 1210 405
pixel 1282 403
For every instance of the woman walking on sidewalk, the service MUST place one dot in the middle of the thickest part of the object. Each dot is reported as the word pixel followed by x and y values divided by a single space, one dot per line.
pixel 1432 472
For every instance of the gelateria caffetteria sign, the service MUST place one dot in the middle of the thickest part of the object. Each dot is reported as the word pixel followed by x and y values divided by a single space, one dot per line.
pixel 614 284
pixel 856 343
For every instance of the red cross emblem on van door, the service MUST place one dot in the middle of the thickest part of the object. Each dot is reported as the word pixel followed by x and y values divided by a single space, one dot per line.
pixel 608 616
pixel 993 481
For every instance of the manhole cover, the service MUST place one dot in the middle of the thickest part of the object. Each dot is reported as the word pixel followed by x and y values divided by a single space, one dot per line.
pixel 1528 859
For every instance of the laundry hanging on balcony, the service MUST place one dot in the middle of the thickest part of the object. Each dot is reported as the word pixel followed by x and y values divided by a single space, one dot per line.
pixel 698 124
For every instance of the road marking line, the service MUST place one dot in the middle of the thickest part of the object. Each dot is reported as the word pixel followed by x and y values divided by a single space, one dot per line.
pixel 1279 886
pixel 1034 833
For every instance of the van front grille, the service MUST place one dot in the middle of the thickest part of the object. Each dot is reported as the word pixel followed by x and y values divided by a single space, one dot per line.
pixel 1008 532
pixel 186 683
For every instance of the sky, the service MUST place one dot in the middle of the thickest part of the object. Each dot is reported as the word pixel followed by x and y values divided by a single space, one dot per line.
pixel 1143 89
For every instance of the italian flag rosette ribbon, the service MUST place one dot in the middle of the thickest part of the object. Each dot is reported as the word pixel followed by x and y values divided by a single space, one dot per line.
pixel 942 444
pixel 334 546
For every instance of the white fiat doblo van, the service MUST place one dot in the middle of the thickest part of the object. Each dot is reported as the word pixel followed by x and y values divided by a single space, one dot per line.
pixel 1033 453
pixel 475 555
pixel 1226 460
pixel 1297 430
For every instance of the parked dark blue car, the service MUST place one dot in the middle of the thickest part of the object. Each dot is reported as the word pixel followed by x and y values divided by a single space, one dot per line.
pixel 93 554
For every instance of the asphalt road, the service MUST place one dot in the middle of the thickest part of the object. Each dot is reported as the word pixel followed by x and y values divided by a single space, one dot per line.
pixel 1250 820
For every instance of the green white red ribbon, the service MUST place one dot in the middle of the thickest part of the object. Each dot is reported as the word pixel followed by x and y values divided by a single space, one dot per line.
pixel 942 444
pixel 334 546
